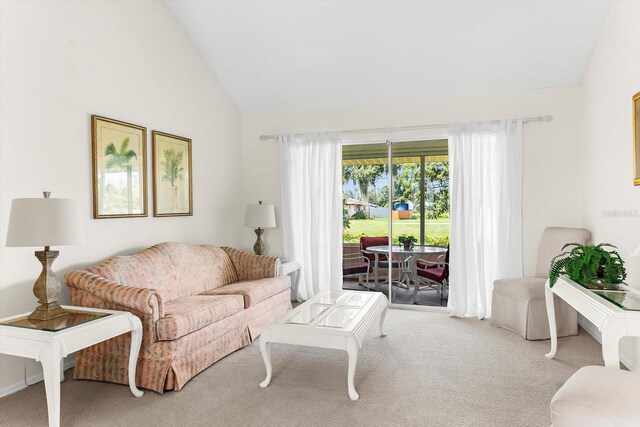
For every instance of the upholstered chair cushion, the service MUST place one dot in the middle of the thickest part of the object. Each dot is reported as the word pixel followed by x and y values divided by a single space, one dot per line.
pixel 553 239
pixel 596 396
pixel 366 242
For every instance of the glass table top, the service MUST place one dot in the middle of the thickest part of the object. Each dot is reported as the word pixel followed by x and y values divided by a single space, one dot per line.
pixel 332 309
pixel 75 318
pixel 621 295
pixel 626 300
pixel 308 313
pixel 417 249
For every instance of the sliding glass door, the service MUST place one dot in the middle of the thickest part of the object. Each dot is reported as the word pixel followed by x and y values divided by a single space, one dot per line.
pixel 396 192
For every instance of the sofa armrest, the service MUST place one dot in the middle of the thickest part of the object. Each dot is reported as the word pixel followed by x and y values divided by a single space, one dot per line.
pixel 251 266
pixel 142 300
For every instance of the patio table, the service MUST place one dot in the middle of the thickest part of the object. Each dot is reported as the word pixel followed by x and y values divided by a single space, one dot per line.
pixel 408 258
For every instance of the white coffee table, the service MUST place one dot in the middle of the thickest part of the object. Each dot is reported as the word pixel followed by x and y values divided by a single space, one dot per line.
pixel 333 319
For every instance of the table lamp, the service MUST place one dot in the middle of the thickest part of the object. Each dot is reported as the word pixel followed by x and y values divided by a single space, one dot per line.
pixel 45 222
pixel 259 216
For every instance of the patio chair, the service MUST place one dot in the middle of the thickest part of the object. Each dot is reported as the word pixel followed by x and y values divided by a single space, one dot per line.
pixel 356 264
pixel 383 260
pixel 435 275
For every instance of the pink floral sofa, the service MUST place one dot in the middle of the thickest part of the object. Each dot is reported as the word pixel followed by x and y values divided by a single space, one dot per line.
pixel 197 303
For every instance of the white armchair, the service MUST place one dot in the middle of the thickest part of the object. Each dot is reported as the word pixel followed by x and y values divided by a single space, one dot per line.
pixel 519 304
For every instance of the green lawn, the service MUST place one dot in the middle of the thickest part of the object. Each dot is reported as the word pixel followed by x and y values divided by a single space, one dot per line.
pixel 436 230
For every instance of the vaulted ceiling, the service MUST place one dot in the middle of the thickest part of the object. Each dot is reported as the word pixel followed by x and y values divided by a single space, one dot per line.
pixel 290 55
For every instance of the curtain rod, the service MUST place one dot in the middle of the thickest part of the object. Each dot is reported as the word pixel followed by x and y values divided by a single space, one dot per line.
pixel 418 127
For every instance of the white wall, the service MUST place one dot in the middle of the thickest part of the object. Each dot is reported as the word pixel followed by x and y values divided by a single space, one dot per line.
pixel 551 150
pixel 611 79
pixel 60 62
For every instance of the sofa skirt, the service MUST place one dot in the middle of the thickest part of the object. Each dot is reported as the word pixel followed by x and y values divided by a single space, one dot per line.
pixel 169 365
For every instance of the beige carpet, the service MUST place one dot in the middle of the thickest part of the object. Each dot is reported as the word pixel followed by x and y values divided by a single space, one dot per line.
pixel 431 370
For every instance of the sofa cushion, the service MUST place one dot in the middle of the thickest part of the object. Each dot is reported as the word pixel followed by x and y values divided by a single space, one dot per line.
pixel 188 314
pixel 254 291
pixel 522 288
pixel 175 270
pixel 596 396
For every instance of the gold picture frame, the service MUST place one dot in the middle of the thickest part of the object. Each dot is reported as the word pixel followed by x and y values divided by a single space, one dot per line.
pixel 172 175
pixel 119 160
pixel 636 139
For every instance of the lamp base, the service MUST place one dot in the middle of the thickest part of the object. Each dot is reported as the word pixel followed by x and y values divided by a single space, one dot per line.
pixel 47 312
pixel 258 247
pixel 47 288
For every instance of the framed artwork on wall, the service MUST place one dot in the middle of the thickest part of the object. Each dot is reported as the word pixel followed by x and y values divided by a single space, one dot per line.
pixel 119 153
pixel 636 138
pixel 172 175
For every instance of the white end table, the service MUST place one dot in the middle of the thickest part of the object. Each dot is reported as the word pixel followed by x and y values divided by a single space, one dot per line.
pixel 332 319
pixel 292 268
pixel 77 332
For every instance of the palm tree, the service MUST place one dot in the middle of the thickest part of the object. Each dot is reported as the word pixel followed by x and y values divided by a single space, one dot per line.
pixel 172 172
pixel 364 176
pixel 122 159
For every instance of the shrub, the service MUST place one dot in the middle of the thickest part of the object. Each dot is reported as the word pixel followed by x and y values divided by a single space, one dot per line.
pixel 349 236
pixel 359 215
pixel 441 240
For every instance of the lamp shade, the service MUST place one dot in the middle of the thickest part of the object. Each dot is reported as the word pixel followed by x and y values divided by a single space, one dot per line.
pixel 260 216
pixel 44 222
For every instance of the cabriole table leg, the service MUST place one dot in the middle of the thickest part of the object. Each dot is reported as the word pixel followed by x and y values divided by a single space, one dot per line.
pixel 551 314
pixel 352 351
pixel 382 316
pixel 265 349
pixel 136 341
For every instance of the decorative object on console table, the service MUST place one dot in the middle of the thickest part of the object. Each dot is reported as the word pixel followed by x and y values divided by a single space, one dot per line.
pixel 589 265
pixel 119 168
pixel 172 176
pixel 45 222
pixel 260 216
pixel 636 138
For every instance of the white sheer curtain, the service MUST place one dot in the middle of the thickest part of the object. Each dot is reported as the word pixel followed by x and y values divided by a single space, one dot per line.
pixel 485 160
pixel 311 176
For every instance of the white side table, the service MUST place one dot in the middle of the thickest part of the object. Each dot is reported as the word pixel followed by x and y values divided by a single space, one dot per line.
pixel 612 321
pixel 49 347
pixel 292 268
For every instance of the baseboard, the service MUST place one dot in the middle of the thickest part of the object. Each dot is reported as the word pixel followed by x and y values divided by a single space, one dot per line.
pixel 10 389
pixel 595 333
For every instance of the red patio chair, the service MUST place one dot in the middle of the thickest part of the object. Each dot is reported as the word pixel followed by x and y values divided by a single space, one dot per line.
pixel 356 264
pixel 383 260
pixel 435 274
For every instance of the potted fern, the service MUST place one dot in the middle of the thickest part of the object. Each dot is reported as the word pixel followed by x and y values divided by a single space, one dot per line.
pixel 590 266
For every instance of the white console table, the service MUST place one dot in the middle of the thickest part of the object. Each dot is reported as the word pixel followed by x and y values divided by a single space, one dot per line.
pixel 48 346
pixel 612 321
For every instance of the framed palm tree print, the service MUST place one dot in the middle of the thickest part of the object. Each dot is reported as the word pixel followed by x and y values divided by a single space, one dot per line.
pixel 172 182
pixel 119 168
pixel 636 138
